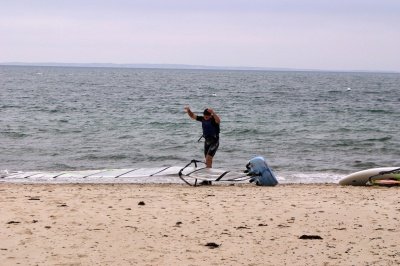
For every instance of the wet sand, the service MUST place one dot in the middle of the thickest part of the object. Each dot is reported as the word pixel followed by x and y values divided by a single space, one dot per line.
pixel 126 224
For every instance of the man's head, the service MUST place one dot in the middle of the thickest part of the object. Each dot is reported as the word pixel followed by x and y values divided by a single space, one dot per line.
pixel 206 114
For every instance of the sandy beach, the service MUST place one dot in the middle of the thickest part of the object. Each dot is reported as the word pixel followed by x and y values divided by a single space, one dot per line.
pixel 125 224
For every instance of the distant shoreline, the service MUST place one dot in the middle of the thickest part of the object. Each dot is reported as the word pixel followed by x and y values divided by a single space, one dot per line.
pixel 186 67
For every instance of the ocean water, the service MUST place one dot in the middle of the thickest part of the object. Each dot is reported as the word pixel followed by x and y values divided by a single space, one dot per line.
pixel 311 126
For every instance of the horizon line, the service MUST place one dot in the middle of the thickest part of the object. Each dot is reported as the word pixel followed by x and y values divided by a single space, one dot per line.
pixel 185 67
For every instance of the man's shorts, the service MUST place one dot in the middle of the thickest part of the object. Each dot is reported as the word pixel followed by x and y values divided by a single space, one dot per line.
pixel 211 147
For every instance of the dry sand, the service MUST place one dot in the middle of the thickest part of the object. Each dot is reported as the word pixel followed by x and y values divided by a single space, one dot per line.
pixel 87 224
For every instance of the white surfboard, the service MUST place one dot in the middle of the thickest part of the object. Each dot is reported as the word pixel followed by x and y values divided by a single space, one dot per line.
pixel 362 177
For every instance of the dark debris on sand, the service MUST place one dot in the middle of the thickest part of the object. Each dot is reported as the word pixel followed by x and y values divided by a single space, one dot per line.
pixel 310 237
pixel 212 245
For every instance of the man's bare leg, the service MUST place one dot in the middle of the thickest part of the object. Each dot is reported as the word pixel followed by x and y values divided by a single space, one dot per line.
pixel 209 160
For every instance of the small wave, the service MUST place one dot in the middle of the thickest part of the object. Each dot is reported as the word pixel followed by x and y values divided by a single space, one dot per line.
pixel 366 165
pixel 379 111
pixel 372 92
pixel 206 88
pixel 242 131
pixel 161 158
pixel 334 91
pixel 9 106
pixel 61 167
pixel 157 123
pixel 344 143
pixel 93 157
pixel 380 139
pixel 126 137
pixel 14 135
pixel 344 129
pixel 359 143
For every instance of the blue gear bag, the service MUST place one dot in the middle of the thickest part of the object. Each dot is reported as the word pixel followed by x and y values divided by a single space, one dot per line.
pixel 263 175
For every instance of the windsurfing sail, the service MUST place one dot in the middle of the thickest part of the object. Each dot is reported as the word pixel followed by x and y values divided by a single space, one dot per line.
pixel 128 175
pixel 257 171
pixel 191 174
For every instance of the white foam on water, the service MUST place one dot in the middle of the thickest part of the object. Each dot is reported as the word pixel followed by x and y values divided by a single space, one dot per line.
pixel 309 177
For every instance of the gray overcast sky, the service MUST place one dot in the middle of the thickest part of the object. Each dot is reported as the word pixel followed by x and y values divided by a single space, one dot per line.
pixel 311 34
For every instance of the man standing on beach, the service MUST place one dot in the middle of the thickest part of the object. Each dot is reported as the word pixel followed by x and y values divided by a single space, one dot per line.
pixel 210 122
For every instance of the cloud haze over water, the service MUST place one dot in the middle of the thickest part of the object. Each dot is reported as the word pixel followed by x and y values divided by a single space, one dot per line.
pixel 306 34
